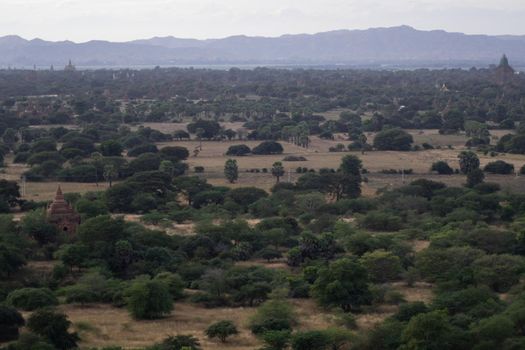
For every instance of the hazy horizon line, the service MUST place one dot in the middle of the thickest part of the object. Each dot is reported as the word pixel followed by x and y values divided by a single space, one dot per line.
pixel 261 36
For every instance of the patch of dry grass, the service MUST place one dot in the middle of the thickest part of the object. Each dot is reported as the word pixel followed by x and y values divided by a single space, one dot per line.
pixel 108 326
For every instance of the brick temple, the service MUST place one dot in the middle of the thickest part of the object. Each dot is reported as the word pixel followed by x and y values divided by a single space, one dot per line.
pixel 61 214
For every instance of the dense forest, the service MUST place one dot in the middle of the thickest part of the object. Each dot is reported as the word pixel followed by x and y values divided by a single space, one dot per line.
pixel 349 253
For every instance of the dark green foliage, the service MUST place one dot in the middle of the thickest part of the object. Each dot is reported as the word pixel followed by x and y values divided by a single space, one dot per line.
pixel 53 327
pixel 238 150
pixel 222 330
pixel 310 340
pixel 10 321
pixel 209 128
pixel 393 140
pixel 29 299
pixel 245 196
pixel 408 310
pixel 468 162
pixel 343 283
pixel 149 299
pixel 499 167
pixel 178 342
pixel 274 315
pixel 442 168
pixel 268 147
pixel 141 149
pixel 474 178
pixel 381 221
pixel 174 153
pixel 111 148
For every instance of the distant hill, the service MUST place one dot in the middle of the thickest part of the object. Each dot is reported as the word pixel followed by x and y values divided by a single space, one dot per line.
pixel 396 46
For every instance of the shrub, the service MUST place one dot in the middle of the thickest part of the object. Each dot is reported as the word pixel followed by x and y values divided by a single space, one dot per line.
pixel 294 159
pixel 198 169
pixel 273 315
pixel 442 168
pixel 238 150
pixel 382 266
pixel 53 327
pixel 149 299
pixel 499 167
pixel 178 342
pixel 174 153
pixel 268 147
pixel 29 299
pixel 393 139
pixel 222 330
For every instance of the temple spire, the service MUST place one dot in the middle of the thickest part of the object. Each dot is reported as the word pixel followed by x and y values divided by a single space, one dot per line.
pixel 59 196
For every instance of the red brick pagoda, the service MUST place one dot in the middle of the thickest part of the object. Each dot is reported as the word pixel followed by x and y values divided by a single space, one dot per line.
pixel 62 215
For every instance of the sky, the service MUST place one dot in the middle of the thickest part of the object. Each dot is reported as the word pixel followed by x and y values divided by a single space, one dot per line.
pixel 122 20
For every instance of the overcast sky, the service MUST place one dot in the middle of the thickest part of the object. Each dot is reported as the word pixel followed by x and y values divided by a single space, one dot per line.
pixel 121 20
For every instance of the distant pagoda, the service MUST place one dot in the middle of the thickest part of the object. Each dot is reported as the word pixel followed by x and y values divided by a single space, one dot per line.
pixel 61 214
pixel 504 72
pixel 70 67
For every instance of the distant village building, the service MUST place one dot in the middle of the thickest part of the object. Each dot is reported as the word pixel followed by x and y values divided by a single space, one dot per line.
pixel 70 67
pixel 62 215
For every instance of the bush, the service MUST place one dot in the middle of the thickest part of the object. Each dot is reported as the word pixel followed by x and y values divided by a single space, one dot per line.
pixel 294 159
pixel 273 315
pixel 198 169
pixel 382 266
pixel 442 168
pixel 380 221
pixel 174 153
pixel 149 299
pixel 29 299
pixel 310 340
pixel 393 140
pixel 499 167
pixel 53 327
pixel 238 150
pixel 268 147
pixel 222 330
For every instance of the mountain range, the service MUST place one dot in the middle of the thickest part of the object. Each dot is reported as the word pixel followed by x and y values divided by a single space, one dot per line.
pixel 394 46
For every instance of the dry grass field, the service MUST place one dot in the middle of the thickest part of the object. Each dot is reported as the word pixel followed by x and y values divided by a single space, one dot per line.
pixel 100 325
pixel 212 158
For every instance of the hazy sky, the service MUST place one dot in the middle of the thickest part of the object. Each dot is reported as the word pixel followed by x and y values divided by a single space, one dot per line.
pixel 120 20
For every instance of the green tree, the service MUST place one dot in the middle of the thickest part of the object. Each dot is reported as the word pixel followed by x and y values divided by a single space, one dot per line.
pixel 382 266
pixel 179 342
pixel 11 260
pixel 73 255
pixel 53 326
pixel 222 330
pixel 393 140
pixel 310 340
pixel 475 177
pixel 277 170
pixel 428 331
pixel 149 299
pixel 343 283
pixel 442 168
pixel 29 299
pixel 273 315
pixel 468 161
pixel 231 171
